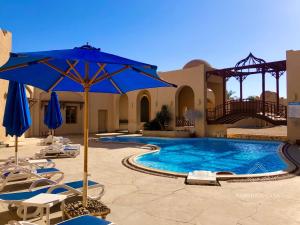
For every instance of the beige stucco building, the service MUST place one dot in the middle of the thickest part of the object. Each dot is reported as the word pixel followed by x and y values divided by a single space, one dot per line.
pixel 108 113
pixel 5 48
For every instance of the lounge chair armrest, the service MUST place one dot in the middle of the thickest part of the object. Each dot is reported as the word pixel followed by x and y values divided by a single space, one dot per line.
pixel 100 192
pixel 14 222
pixel 66 187
pixel 42 180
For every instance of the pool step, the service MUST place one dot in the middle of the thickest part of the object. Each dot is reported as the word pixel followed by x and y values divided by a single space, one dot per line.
pixel 202 177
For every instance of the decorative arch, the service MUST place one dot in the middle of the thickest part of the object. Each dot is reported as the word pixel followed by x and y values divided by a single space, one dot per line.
pixel 29 92
pixel 144 106
pixel 185 100
pixel 211 99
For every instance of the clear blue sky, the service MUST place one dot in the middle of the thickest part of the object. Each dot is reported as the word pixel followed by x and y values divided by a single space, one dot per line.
pixel 167 33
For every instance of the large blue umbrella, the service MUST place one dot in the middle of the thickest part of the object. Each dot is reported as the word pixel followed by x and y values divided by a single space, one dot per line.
pixel 16 115
pixel 53 118
pixel 83 69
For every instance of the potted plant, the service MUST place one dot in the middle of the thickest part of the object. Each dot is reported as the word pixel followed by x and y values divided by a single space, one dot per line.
pixel 163 117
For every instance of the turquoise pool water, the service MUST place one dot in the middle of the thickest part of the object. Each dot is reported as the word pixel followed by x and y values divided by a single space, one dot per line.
pixel 184 155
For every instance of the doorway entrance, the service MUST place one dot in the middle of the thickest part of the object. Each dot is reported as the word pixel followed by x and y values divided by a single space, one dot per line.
pixel 102 120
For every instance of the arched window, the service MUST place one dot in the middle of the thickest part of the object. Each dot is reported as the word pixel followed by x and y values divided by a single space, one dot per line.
pixel 145 109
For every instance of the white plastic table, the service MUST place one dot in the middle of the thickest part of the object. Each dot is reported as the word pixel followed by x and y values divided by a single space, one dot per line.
pixel 42 201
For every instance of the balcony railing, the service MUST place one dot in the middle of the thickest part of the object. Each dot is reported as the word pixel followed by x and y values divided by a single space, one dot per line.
pixel 183 122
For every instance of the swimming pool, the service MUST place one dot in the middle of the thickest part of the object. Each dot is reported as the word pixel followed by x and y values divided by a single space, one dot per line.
pixel 182 155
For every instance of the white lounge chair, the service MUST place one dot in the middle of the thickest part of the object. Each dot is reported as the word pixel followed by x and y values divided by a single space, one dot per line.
pixel 52 140
pixel 72 188
pixel 32 163
pixel 81 220
pixel 59 150
pixel 18 174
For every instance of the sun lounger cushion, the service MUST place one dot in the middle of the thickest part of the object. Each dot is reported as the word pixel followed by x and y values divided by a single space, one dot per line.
pixel 47 170
pixel 85 220
pixel 39 171
pixel 71 147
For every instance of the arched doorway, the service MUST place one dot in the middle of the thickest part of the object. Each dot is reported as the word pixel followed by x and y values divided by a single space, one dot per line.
pixel 210 99
pixel 145 109
pixel 123 112
pixel 185 101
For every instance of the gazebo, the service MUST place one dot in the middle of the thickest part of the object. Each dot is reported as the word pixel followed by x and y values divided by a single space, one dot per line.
pixel 232 111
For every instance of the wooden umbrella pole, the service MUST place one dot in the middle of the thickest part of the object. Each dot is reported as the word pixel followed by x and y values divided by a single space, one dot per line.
pixel 86 133
pixel 16 150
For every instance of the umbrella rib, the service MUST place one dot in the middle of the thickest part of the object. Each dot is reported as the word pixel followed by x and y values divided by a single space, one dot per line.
pixel 86 72
pixel 69 75
pixel 110 75
pixel 116 86
pixel 113 82
pixel 60 79
pixel 75 71
pixel 101 68
pixel 21 65
pixel 150 75
pixel 53 85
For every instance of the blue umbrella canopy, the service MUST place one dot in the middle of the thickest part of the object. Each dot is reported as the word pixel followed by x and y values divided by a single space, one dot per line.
pixel 82 69
pixel 53 118
pixel 16 115
pixel 73 69
pixel 16 118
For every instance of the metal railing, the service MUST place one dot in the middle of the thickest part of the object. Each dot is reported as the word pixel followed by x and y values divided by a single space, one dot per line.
pixel 183 122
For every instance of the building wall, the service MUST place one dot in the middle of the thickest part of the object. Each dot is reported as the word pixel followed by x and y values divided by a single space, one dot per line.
pixel 38 111
pixel 5 49
pixel 293 92
pixel 193 77
pixel 96 102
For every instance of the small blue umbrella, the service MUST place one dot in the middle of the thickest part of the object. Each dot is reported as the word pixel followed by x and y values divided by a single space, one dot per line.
pixel 17 115
pixel 81 69
pixel 53 118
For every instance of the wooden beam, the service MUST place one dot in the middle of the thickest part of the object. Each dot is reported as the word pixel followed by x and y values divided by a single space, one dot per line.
pixel 86 72
pixel 277 91
pixel 150 75
pixel 72 66
pixel 106 75
pixel 72 77
pixel 224 95
pixel 263 91
pixel 67 71
pixel 241 88
pixel 101 68
pixel 22 65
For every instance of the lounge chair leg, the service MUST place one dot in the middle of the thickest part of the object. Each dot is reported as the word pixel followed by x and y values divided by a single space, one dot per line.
pixel 62 208
pixel 42 213
pixel 48 215
pixel 25 213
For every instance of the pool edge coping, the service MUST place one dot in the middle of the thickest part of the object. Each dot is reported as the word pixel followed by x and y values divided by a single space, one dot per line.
pixel 291 167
